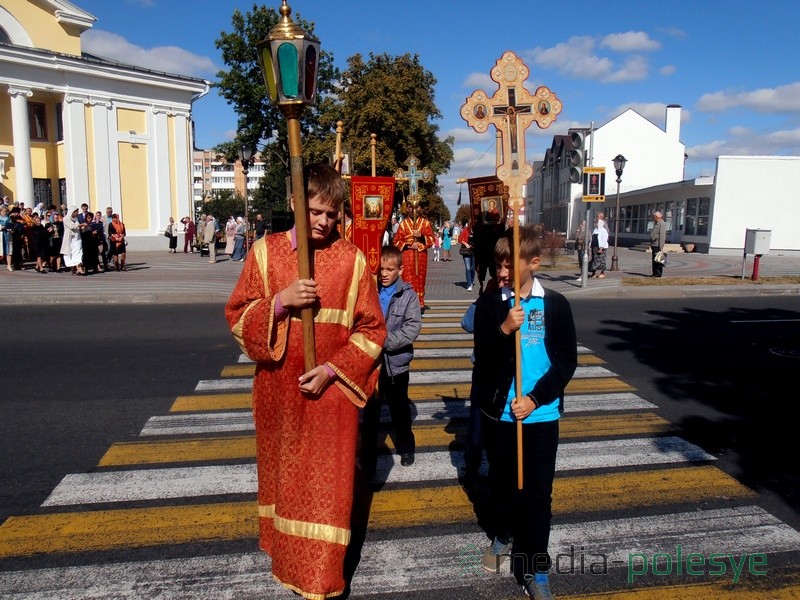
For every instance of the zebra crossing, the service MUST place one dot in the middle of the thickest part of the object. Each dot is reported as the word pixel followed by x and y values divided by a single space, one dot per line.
pixel 627 485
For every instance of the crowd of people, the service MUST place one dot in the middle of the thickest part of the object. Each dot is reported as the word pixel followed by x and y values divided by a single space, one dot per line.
pixel 58 239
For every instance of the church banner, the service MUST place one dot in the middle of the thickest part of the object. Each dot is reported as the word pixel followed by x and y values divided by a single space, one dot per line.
pixel 371 199
pixel 488 201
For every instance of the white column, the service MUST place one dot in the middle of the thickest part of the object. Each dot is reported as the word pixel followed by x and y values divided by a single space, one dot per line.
pixel 104 149
pixel 183 160
pixel 22 144
pixel 160 169
pixel 75 150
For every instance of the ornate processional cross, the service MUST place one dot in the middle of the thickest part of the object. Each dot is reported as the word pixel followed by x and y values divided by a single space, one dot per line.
pixel 412 175
pixel 511 110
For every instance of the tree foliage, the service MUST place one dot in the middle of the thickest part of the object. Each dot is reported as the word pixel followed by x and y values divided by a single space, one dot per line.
pixel 242 85
pixel 392 97
pixel 463 213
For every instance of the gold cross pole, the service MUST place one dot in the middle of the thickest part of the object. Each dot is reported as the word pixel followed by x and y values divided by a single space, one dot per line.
pixel 413 176
pixel 511 110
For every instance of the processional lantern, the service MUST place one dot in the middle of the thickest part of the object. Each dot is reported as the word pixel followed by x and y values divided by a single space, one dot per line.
pixel 289 60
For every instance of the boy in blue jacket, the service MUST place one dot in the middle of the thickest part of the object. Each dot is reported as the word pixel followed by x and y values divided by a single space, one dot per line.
pixel 401 311
pixel 549 353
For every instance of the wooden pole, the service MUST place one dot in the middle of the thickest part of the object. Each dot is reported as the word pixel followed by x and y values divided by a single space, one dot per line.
pixel 304 265
pixel 337 164
pixel 517 338
pixel 372 145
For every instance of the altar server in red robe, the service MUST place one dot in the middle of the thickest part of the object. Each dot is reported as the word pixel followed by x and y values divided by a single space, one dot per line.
pixel 307 422
pixel 414 236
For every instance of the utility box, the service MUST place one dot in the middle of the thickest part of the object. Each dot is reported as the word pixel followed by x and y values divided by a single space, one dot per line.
pixel 756 241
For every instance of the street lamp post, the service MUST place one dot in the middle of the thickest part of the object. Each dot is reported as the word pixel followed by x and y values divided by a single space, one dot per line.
pixel 619 165
pixel 245 154
pixel 289 58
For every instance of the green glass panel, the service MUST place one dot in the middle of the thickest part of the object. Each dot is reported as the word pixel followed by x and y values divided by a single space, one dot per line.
pixel 287 60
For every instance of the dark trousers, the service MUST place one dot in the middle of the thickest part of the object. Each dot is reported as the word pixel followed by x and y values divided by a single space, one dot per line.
pixel 658 268
pixel 523 514
pixel 392 390
pixel 473 454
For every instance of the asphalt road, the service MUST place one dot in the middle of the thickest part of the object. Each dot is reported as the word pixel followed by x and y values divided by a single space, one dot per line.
pixel 76 382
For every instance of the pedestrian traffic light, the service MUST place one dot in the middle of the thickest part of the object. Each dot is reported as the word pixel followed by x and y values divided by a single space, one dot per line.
pixel 577 156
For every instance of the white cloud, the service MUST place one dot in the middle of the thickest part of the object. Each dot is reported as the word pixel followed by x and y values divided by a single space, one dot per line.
pixel 668 70
pixel 635 68
pixel 577 59
pixel 784 98
pixel 144 3
pixel 630 41
pixel 480 81
pixel 167 59
pixel 744 141
pixel 674 32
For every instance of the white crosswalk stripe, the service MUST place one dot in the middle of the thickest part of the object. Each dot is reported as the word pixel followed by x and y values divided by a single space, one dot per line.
pixel 158 484
pixel 232 421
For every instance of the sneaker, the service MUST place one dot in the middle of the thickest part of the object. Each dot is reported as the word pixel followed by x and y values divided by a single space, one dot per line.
pixel 469 289
pixel 407 459
pixel 496 555
pixel 538 588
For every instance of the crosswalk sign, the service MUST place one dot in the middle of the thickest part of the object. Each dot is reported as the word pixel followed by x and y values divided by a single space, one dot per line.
pixel 594 184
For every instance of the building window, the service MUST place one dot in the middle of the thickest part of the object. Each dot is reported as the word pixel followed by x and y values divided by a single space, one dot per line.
pixel 59 122
pixel 42 192
pixel 697 214
pixel 37 121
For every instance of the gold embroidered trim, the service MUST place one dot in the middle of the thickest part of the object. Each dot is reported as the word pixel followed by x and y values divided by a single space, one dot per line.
pixel 304 529
pixel 334 316
pixel 309 595
pixel 368 347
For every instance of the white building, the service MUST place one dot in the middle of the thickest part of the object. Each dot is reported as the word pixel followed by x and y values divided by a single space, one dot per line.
pixel 212 173
pixel 711 213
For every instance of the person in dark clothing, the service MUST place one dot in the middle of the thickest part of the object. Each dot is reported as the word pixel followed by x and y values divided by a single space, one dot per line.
pixel 91 244
pixel 548 353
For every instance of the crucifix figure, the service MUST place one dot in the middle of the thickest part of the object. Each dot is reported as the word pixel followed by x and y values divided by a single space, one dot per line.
pixel 511 113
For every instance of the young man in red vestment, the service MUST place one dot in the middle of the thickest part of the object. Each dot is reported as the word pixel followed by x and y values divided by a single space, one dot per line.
pixel 414 236
pixel 307 422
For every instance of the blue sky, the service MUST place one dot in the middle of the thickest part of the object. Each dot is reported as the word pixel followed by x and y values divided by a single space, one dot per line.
pixel 733 66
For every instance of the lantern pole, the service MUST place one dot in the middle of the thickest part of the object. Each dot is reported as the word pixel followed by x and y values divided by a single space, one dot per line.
pixel 288 59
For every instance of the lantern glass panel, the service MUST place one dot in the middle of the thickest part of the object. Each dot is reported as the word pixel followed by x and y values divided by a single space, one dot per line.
pixel 288 62
pixel 269 73
pixel 310 80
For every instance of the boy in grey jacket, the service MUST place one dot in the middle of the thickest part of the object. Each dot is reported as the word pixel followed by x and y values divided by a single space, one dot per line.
pixel 401 310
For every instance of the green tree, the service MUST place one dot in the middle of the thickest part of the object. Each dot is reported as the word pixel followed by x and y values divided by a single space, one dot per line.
pixel 463 214
pixel 392 97
pixel 242 85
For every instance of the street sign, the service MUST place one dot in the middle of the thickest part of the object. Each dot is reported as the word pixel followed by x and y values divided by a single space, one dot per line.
pixel 594 184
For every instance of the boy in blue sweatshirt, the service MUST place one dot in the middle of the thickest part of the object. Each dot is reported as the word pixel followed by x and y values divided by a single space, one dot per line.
pixel 549 355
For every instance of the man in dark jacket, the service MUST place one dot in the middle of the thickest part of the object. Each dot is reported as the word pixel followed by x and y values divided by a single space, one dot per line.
pixel 658 237
pixel 401 310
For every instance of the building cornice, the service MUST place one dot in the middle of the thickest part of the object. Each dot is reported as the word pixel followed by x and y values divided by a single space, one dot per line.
pixel 98 68
pixel 67 13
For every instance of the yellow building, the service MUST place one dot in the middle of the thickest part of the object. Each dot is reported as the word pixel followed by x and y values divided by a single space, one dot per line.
pixel 76 128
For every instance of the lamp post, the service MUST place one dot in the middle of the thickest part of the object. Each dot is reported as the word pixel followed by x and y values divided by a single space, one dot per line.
pixel 245 154
pixel 619 165
pixel 289 58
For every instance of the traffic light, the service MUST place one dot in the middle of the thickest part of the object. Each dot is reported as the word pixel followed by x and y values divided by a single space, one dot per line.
pixel 577 156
